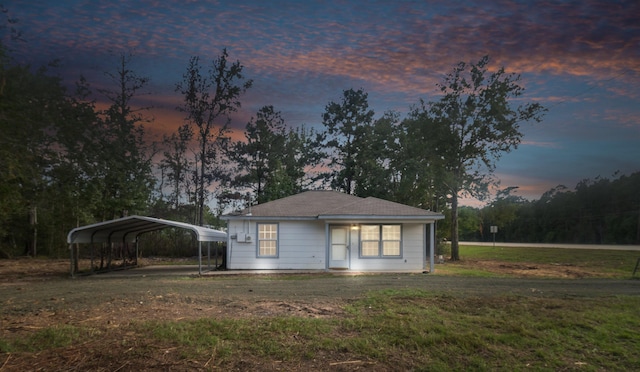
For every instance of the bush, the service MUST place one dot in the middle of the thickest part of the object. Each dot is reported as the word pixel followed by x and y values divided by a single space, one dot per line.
pixel 443 248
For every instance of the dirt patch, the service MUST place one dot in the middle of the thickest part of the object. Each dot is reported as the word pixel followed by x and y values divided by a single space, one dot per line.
pixel 531 270
pixel 19 270
pixel 22 270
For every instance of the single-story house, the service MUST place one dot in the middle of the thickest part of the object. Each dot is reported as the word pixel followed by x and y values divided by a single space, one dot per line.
pixel 329 230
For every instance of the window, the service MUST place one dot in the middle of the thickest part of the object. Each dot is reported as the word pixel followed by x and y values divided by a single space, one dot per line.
pixel 391 240
pixel 370 240
pixel 380 240
pixel 268 240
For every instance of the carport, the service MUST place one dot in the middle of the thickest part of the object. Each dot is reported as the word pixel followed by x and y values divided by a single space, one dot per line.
pixel 129 229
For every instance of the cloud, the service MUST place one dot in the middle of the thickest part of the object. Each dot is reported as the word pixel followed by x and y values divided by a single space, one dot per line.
pixel 552 145
pixel 398 48
pixel 579 58
pixel 409 51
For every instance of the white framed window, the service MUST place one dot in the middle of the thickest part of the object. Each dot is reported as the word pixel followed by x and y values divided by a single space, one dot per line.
pixel 380 241
pixel 391 238
pixel 267 240
pixel 370 240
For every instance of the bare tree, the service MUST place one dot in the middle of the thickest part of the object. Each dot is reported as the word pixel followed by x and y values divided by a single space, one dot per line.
pixel 209 97
pixel 126 158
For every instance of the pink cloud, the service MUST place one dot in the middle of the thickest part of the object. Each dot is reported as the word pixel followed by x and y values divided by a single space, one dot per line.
pixel 552 145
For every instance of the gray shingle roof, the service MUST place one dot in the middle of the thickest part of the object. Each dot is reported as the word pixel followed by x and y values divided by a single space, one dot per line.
pixel 315 204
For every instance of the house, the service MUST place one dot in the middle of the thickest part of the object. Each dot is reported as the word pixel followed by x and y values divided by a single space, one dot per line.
pixel 329 230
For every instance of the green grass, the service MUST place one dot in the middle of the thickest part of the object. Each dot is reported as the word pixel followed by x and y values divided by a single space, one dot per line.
pixel 611 263
pixel 272 337
pixel 47 338
pixel 414 329
pixel 402 330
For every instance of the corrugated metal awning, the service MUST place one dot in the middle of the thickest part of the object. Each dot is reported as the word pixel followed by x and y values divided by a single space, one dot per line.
pixel 127 229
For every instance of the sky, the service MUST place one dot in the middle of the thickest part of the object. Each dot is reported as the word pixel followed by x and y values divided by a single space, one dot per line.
pixel 580 59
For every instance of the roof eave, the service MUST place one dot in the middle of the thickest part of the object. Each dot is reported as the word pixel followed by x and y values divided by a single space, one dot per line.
pixel 337 217
pixel 268 218
pixel 380 217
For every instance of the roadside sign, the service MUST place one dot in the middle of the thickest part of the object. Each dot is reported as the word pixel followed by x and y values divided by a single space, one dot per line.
pixel 494 231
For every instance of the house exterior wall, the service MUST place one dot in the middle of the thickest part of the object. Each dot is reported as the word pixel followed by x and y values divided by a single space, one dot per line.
pixel 301 246
pixel 413 256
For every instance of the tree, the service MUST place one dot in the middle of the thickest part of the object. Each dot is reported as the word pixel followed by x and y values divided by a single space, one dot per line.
pixel 73 193
pixel 597 211
pixel 257 155
pixel 470 223
pixel 44 158
pixel 303 153
pixel 378 159
pixel 502 212
pixel 208 98
pixel 125 161
pixel 176 164
pixel 472 125
pixel 347 124
pixel 29 109
pixel 280 184
pixel 271 160
pixel 417 164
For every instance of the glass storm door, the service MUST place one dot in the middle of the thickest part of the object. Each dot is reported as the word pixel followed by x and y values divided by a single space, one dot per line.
pixel 339 249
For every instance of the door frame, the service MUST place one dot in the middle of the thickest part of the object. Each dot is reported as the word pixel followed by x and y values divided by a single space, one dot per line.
pixel 347 261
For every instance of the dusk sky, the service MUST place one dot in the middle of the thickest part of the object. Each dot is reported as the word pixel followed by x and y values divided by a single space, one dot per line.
pixel 580 59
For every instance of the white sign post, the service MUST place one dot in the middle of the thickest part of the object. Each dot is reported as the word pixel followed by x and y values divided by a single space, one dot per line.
pixel 494 231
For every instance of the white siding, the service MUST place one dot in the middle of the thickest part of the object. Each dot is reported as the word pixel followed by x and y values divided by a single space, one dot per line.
pixel 301 245
pixel 413 253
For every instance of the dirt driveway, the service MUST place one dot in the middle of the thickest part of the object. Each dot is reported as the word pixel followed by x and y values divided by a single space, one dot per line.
pixel 175 293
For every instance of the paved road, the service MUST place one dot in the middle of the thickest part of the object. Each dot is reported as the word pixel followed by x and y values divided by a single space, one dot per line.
pixel 567 246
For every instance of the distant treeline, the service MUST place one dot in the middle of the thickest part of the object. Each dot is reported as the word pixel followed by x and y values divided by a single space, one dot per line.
pixel 596 211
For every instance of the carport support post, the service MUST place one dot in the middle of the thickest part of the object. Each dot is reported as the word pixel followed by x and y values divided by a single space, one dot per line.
pixel 208 255
pixel 71 251
pixel 199 257
pixel 432 243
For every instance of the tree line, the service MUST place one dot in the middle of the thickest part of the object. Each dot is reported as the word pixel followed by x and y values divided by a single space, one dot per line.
pixel 597 211
pixel 66 163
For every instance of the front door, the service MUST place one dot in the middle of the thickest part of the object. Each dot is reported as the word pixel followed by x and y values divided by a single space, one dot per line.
pixel 339 249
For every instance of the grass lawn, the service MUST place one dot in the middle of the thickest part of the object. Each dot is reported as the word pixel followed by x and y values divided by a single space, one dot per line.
pixel 399 329
pixel 387 330
pixel 475 261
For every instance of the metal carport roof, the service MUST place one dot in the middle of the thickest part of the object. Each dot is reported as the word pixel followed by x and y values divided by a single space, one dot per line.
pixel 128 229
